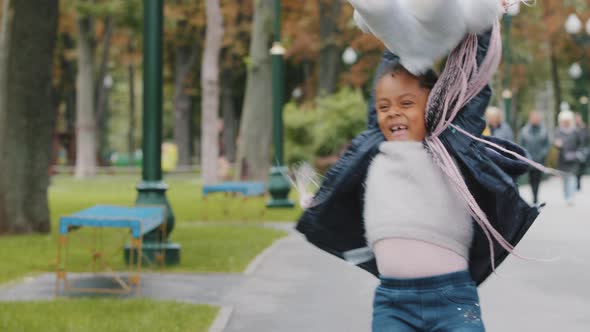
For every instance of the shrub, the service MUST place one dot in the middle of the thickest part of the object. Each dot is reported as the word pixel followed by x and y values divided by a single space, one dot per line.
pixel 323 130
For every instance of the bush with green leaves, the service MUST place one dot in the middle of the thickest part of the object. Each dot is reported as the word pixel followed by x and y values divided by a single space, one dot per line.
pixel 324 129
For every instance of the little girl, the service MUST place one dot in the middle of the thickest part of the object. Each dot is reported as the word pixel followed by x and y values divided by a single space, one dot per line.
pixel 393 206
pixel 416 223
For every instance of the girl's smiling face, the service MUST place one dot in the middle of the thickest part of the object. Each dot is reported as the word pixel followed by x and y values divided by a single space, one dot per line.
pixel 401 102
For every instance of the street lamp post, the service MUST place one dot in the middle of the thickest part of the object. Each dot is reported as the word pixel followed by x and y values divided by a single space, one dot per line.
pixel 576 73
pixel 278 186
pixel 574 26
pixel 513 10
pixel 585 109
pixel 152 190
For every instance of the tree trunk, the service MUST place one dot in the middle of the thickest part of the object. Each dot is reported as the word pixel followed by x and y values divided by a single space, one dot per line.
pixel 330 52
pixel 71 124
pixel 131 132
pixel 67 95
pixel 99 88
pixel 4 44
pixel 254 140
pixel 26 153
pixel 309 83
pixel 514 113
pixel 68 79
pixel 102 125
pixel 7 14
pixel 101 91
pixel 210 97
pixel 556 82
pixel 543 103
pixel 85 120
pixel 230 119
pixel 184 61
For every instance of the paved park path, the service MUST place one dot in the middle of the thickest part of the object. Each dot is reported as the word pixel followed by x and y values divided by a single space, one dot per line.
pixel 295 287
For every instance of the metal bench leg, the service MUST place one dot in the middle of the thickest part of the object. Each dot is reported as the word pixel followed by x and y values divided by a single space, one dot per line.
pixel 161 256
pixel 60 268
pixel 95 253
pixel 135 278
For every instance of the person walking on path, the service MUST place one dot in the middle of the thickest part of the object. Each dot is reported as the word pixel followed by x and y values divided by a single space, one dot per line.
pixel 584 137
pixel 535 139
pixel 568 142
pixel 498 127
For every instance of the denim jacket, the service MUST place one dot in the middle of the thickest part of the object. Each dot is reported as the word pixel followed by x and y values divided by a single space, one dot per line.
pixel 335 223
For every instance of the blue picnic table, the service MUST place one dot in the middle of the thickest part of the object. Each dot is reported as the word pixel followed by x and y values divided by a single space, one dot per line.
pixel 140 220
pixel 245 189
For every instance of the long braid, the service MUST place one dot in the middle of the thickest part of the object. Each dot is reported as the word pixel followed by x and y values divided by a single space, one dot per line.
pixel 460 82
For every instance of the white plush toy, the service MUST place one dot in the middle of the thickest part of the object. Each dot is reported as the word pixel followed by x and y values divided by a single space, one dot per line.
pixel 422 31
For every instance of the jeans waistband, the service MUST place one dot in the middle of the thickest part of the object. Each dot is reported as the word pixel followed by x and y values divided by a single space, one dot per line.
pixel 440 281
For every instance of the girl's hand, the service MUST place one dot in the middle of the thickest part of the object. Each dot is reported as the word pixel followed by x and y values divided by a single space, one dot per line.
pixel 305 201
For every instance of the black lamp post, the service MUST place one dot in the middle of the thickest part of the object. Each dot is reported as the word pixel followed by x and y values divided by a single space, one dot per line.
pixel 152 189
pixel 278 186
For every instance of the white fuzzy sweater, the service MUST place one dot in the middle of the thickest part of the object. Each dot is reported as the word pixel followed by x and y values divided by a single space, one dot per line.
pixel 407 196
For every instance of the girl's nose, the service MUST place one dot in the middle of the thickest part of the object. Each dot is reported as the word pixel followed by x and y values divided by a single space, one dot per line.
pixel 394 113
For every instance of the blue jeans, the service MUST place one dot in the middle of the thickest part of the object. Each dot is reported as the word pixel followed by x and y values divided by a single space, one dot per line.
pixel 445 303
pixel 569 186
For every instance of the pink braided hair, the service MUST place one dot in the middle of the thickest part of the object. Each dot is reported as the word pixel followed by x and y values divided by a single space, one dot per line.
pixel 460 82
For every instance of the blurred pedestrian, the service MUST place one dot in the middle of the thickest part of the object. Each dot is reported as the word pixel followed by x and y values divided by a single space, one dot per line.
pixel 534 138
pixel 584 138
pixel 498 127
pixel 568 143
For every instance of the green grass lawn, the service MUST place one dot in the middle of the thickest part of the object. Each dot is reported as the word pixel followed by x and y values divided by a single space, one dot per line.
pixel 67 195
pixel 213 248
pixel 105 315
pixel 209 247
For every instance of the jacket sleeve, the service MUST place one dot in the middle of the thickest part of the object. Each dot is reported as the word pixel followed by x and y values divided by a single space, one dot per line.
pixel 471 118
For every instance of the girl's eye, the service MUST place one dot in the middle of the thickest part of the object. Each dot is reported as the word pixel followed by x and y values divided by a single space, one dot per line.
pixel 408 103
pixel 383 108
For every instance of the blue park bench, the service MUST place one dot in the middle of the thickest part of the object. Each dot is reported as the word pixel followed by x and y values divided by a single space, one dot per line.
pixel 140 220
pixel 244 189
